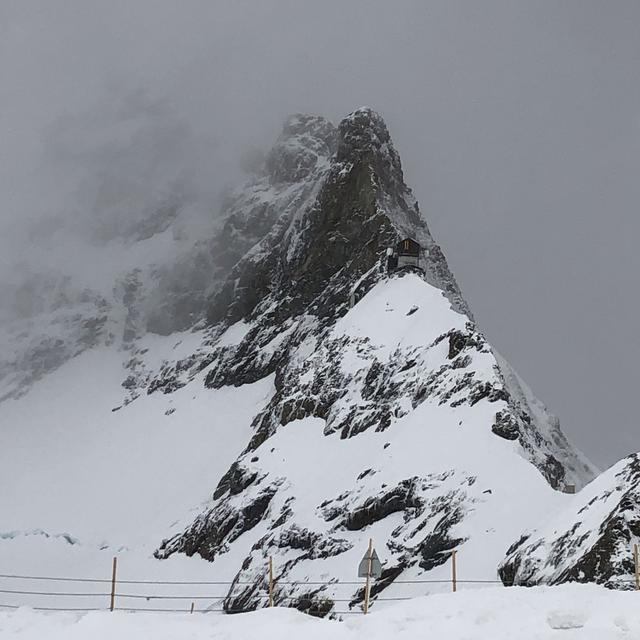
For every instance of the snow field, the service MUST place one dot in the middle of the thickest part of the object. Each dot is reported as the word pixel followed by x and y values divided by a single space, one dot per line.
pixel 114 482
pixel 569 612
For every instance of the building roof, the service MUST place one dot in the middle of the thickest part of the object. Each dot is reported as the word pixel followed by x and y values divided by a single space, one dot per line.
pixel 408 247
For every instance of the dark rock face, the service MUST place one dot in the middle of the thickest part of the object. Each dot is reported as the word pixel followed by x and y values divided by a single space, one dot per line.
pixel 292 169
pixel 305 141
pixel 211 535
pixel 313 255
pixel 399 499
pixel 459 340
pixel 235 481
pixel 505 426
pixel 591 541
pixel 438 545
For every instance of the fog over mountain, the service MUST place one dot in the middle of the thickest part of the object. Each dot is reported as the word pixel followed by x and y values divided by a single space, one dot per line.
pixel 518 125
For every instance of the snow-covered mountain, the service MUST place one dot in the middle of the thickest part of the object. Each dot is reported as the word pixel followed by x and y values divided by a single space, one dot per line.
pixel 266 386
pixel 392 419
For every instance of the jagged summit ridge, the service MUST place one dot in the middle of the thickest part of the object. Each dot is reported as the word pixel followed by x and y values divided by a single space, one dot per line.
pixel 364 137
pixel 360 206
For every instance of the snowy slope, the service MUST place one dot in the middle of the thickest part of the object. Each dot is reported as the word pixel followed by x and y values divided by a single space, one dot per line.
pixel 590 540
pixel 570 612
pixel 232 404
pixel 82 482
pixel 406 454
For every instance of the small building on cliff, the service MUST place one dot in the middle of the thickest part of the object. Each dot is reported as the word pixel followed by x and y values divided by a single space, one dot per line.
pixel 406 254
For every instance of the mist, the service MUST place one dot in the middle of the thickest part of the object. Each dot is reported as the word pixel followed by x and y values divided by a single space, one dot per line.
pixel 518 125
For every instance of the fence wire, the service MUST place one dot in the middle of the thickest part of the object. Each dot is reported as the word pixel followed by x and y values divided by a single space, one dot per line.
pixel 305 603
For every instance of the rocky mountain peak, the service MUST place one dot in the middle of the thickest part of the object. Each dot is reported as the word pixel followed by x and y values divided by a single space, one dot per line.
pixel 352 205
pixel 383 371
pixel 310 126
pixel 305 141
pixel 362 130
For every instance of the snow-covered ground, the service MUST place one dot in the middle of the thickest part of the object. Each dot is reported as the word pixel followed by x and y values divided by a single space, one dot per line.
pixel 82 483
pixel 580 612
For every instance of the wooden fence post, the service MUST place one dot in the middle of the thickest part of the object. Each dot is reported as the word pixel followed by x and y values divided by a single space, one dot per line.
pixel 113 583
pixel 636 564
pixel 454 572
pixel 367 585
pixel 270 581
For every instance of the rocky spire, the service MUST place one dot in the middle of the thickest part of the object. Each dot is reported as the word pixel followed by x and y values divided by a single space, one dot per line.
pixel 305 142
pixel 356 205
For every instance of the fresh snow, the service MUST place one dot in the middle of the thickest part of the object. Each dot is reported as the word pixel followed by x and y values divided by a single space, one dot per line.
pixel 401 312
pixel 114 482
pixel 446 449
pixel 570 612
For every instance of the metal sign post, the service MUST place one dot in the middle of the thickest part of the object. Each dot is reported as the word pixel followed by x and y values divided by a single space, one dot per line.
pixel 367 587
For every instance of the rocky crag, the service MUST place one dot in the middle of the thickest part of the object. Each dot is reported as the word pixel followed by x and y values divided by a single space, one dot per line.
pixel 591 540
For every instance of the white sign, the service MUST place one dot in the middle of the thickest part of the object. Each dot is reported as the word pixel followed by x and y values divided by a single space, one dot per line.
pixel 376 566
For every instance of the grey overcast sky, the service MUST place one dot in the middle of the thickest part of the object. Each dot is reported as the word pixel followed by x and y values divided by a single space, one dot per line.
pixel 518 123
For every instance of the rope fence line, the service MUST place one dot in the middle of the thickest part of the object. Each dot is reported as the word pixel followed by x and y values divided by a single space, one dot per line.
pixel 203 583
pixel 105 581
pixel 310 603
